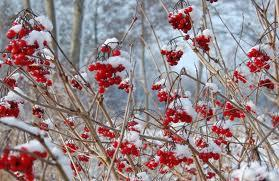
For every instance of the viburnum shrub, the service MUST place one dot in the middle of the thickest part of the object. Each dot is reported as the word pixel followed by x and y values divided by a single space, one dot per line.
pixel 25 38
pixel 219 122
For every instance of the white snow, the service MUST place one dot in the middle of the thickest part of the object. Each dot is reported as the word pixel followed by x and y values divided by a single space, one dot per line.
pixel 133 137
pixel 48 55
pixel 18 76
pixel 213 87
pixel 117 60
pixel 254 172
pixel 84 75
pixel 256 47
pixel 212 147
pixel 185 104
pixel 178 126
pixel 35 145
pixel 182 151
pixel 225 124
pixel 49 122
pixel 273 175
pixel 112 42
pixel 140 126
pixel 187 93
pixel 60 158
pixel 160 82
pixel 251 105
pixel 125 81
pixel 38 36
pixel 143 176
pixel 179 46
pixel 12 96
pixel 13 122
pixel 264 48
pixel 43 20
pixel 72 118
pixel 207 33
pixel 32 146
pixel 16 28
pixel 196 15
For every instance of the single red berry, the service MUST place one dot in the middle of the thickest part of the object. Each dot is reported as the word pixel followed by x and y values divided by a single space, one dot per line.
pixel 11 34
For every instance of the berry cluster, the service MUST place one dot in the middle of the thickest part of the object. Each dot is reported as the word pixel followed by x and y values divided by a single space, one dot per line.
pixel 106 132
pixel 204 111
pixel 71 147
pixel 107 49
pixel 43 126
pixel 83 158
pixel 205 156
pixel 221 131
pixel 86 129
pixel 172 56
pixel 10 82
pixel 250 108
pixel 20 52
pixel 76 167
pixel 69 122
pixel 21 162
pixel 127 148
pixel 9 109
pixel 121 165
pixel 266 83
pixel 152 164
pixel 106 75
pixel 218 103
pixel 131 126
pixel 181 20
pixel 211 175
pixel 164 96
pixel 40 73
pixel 169 159
pixel 275 120
pixel 37 111
pixel 110 152
pixel 176 115
pixel 259 60
pixel 237 76
pixel 125 85
pixel 76 84
pixel 220 140
pixel 176 138
pixel 202 41
pixel 232 112
pixel 157 86
pixel 84 136
pixel 201 143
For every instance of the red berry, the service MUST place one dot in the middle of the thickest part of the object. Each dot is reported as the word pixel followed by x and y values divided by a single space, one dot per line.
pixel 11 34
pixel 116 52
